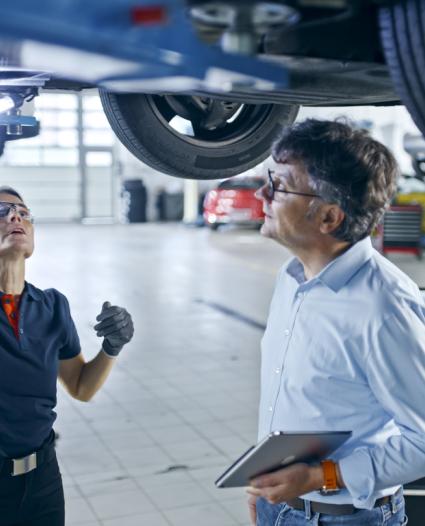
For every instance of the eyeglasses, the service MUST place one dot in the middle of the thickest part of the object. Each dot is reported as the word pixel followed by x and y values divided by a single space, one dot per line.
pixel 23 212
pixel 271 189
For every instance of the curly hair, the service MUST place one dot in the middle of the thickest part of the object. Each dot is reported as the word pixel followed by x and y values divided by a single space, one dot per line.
pixel 347 167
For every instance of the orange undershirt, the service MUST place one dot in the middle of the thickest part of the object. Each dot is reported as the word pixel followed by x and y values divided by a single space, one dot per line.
pixel 11 308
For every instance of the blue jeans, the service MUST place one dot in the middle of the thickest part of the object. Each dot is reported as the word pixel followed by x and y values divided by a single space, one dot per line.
pixel 283 515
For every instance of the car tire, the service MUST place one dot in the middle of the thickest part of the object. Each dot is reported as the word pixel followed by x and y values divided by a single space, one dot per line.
pixel 403 41
pixel 141 123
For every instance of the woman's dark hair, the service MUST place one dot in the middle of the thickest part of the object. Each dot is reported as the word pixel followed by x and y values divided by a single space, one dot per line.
pixel 11 191
pixel 346 167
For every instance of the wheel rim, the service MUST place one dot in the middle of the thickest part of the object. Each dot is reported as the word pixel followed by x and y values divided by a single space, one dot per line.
pixel 207 122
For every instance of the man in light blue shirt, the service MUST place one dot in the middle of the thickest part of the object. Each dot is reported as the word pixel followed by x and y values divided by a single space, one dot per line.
pixel 344 347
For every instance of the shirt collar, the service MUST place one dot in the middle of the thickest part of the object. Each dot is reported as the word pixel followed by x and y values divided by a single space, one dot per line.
pixel 32 291
pixel 29 289
pixel 296 270
pixel 340 270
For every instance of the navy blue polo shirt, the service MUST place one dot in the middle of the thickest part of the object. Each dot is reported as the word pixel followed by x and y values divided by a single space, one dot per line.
pixel 29 368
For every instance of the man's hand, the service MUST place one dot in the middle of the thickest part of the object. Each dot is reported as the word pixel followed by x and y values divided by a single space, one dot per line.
pixel 252 505
pixel 287 483
pixel 116 326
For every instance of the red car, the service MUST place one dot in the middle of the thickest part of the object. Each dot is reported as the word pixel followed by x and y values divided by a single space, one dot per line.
pixel 234 202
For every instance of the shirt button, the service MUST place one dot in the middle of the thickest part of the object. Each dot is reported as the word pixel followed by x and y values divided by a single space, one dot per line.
pixel 286 332
pixel 21 331
pixel 270 408
pixel 277 370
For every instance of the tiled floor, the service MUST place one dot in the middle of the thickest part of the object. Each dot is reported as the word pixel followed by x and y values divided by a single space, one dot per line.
pixel 181 403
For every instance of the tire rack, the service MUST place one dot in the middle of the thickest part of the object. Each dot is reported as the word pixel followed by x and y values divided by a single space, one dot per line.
pixel 402 229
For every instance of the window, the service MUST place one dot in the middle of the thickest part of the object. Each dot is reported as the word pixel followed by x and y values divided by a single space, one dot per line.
pixel 57 142
pixel 97 131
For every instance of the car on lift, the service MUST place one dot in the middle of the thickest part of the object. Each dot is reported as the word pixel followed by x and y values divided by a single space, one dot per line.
pixel 233 72
pixel 233 202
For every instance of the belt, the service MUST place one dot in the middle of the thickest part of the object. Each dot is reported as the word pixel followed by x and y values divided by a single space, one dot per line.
pixel 21 466
pixel 333 509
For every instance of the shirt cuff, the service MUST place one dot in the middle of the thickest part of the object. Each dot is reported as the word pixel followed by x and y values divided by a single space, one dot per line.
pixel 359 478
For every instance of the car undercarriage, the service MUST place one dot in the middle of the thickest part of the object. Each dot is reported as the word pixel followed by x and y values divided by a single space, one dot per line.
pixel 233 72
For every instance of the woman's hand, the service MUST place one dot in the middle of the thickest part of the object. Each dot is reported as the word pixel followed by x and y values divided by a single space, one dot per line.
pixel 116 326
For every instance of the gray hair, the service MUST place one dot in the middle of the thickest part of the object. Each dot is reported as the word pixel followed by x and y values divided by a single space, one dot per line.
pixel 346 167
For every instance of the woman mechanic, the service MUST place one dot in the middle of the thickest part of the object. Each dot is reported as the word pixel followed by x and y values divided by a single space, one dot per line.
pixel 38 344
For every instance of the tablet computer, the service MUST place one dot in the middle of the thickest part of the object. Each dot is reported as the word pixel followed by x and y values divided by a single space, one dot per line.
pixel 278 450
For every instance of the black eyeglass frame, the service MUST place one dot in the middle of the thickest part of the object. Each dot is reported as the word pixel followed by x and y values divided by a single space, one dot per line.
pixel 16 207
pixel 272 189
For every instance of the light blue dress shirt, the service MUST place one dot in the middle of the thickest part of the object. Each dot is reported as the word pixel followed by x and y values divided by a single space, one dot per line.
pixel 345 351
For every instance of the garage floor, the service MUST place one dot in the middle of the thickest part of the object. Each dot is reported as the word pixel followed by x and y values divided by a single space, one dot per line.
pixel 181 402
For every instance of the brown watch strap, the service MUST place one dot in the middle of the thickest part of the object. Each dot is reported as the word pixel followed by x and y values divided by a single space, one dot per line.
pixel 329 475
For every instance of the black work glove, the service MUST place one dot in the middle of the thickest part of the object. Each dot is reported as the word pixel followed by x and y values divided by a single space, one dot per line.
pixel 116 326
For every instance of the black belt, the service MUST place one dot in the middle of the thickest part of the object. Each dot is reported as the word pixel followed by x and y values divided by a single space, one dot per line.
pixel 21 466
pixel 333 509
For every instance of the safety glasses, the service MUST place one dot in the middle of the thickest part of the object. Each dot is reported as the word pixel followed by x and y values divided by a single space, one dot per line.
pixel 23 212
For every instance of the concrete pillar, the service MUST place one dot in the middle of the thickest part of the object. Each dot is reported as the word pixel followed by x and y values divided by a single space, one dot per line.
pixel 191 199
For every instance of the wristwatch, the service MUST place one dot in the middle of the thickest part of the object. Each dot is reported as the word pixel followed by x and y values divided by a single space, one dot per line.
pixel 330 486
